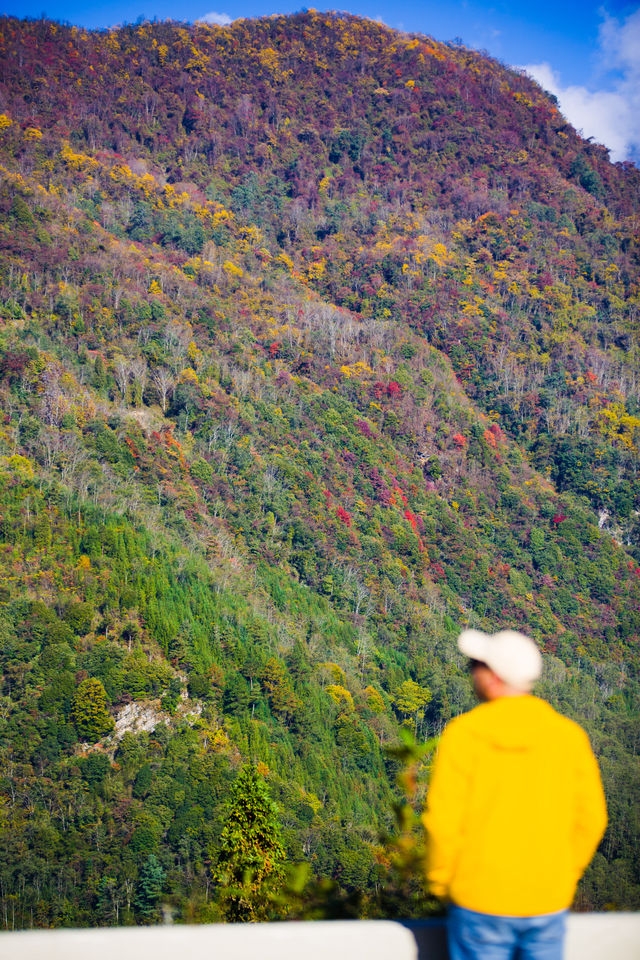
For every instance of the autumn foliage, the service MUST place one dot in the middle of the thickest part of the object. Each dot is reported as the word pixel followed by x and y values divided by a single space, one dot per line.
pixel 318 343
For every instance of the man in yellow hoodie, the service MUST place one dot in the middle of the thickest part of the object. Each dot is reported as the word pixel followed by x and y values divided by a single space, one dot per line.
pixel 515 810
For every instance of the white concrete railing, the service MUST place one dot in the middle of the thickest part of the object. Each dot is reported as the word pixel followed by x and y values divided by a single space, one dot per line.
pixel 603 936
pixel 322 940
pixel 607 936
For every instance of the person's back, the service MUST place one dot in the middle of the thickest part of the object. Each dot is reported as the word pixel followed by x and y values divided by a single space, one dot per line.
pixel 515 809
pixel 519 770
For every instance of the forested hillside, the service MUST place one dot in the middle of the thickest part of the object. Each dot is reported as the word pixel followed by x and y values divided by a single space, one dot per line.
pixel 318 342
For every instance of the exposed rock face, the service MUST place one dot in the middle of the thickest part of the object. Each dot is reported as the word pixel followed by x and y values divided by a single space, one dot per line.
pixel 139 717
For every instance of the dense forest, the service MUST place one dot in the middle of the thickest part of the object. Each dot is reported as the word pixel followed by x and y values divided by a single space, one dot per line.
pixel 318 343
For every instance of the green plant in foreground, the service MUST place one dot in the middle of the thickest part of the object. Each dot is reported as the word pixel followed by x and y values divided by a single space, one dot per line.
pixel 402 891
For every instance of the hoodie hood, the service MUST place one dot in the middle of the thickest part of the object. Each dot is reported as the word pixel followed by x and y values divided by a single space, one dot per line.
pixel 514 723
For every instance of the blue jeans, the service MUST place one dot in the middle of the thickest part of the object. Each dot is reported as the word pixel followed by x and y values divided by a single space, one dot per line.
pixel 483 936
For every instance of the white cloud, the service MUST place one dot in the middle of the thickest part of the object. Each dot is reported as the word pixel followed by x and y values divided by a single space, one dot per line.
pixel 606 116
pixel 610 116
pixel 621 44
pixel 221 19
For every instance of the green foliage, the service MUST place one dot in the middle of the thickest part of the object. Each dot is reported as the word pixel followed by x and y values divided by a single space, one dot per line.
pixel 411 700
pixel 250 854
pixel 79 616
pixel 149 889
pixel 95 768
pixel 142 782
pixel 402 891
pixel 89 710
pixel 582 170
pixel 20 211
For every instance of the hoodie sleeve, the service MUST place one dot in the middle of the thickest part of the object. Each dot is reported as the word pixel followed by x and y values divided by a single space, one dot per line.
pixel 444 814
pixel 590 809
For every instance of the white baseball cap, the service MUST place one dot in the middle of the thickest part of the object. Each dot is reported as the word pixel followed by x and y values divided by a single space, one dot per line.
pixel 512 656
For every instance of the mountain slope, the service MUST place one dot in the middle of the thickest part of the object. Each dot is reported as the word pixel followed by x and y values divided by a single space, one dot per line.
pixel 318 342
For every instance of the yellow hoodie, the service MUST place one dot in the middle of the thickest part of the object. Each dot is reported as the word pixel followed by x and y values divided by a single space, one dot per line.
pixel 515 809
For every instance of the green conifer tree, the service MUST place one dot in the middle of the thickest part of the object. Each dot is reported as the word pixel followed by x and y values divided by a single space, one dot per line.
pixel 149 888
pixel 89 712
pixel 250 857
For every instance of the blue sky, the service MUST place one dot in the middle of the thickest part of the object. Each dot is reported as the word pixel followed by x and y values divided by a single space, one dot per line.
pixel 587 53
